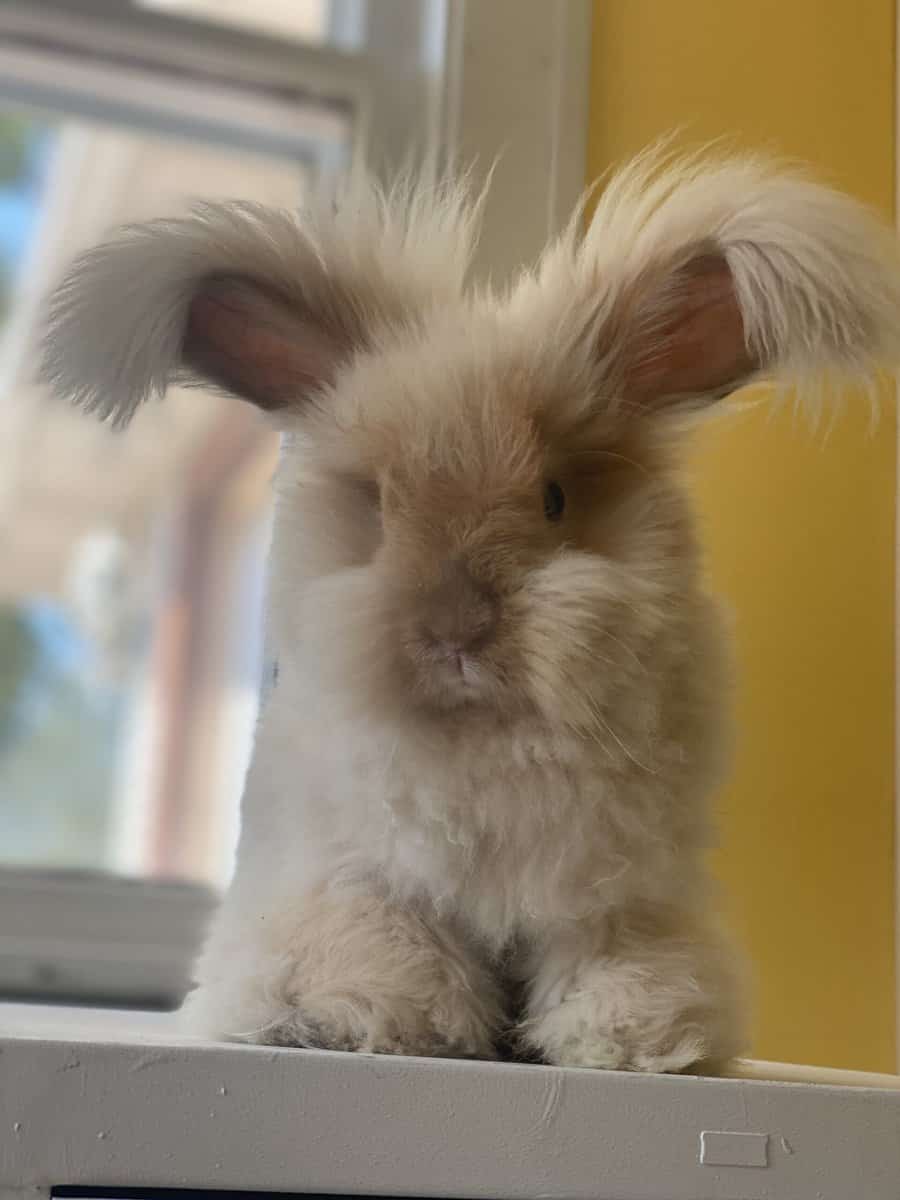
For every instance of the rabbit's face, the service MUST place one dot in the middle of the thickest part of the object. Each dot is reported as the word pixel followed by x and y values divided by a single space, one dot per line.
pixel 491 551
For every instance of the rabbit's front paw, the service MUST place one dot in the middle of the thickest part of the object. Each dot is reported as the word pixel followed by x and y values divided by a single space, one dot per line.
pixel 664 1006
pixel 581 1032
pixel 386 1024
pixel 348 969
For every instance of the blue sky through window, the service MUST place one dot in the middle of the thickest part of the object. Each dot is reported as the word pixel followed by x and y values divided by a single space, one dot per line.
pixel 20 196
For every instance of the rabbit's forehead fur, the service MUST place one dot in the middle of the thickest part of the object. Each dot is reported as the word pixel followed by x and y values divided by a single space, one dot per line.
pixel 464 403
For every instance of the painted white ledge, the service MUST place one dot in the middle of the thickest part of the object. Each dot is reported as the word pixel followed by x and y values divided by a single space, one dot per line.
pixel 119 1099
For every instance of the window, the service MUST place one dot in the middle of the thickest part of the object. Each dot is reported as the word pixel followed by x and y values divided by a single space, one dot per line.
pixel 130 652
pixel 95 571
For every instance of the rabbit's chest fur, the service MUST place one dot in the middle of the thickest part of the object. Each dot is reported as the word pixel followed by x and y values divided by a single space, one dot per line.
pixel 508 829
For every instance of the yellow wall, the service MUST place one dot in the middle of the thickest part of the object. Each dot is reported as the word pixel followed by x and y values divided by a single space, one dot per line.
pixel 800 529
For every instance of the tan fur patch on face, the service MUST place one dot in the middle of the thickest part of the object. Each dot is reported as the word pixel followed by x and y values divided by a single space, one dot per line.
pixel 600 474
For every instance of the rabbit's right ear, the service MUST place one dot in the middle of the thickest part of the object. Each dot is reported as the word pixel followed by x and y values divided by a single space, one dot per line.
pixel 721 272
pixel 251 300
pixel 698 275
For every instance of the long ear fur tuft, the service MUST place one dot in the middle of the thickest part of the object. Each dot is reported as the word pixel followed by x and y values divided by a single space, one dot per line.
pixel 344 270
pixel 703 274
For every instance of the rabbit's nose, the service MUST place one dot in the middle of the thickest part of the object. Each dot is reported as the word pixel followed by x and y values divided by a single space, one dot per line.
pixel 460 615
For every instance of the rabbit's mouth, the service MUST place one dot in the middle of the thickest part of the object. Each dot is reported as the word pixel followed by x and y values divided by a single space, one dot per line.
pixel 449 676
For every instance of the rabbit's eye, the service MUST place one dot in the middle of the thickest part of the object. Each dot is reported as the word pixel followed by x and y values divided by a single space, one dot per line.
pixel 368 490
pixel 554 501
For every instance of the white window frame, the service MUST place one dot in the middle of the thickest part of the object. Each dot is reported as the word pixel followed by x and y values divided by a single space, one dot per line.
pixel 897 587
pixel 516 93
pixel 95 46
pixel 499 84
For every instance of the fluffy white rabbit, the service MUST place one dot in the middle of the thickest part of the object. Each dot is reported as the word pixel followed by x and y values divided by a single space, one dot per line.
pixel 477 812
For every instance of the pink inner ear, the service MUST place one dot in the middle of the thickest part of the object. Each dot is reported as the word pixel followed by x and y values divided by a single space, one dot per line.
pixel 699 346
pixel 242 339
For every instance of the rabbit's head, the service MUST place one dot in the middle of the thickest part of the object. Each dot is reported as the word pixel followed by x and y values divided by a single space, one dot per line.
pixel 477 509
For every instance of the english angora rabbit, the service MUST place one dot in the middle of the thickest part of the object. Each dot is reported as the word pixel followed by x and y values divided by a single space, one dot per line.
pixel 476 814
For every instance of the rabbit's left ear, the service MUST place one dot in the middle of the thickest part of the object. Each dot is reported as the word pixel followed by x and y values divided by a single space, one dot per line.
pixel 691 338
pixel 713 274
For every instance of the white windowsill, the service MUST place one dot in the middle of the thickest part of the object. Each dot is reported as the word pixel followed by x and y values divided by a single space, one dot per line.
pixel 121 1099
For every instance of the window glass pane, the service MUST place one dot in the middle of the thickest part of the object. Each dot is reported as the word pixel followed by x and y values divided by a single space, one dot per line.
pixel 129 652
